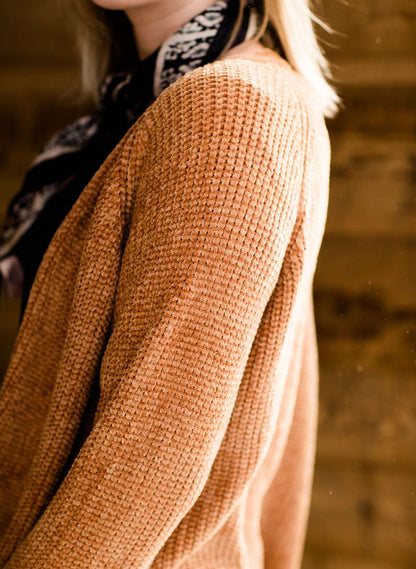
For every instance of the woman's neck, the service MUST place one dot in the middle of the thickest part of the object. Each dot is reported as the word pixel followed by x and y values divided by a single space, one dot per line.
pixel 154 22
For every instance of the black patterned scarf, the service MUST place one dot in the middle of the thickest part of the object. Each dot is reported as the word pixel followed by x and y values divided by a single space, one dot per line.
pixel 70 158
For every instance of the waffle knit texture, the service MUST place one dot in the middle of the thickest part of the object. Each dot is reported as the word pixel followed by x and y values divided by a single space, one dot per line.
pixel 182 279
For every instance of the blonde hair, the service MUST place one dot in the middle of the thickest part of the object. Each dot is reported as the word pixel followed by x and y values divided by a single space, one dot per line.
pixel 106 43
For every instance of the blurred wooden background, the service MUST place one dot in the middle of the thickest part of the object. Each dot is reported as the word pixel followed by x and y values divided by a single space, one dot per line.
pixel 363 513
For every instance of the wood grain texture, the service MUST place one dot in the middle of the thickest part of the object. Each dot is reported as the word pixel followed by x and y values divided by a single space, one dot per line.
pixel 376 511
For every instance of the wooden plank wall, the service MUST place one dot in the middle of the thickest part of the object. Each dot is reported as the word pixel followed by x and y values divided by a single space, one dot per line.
pixel 363 512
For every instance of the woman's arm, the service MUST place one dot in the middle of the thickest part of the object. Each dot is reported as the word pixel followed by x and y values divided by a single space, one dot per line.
pixel 215 206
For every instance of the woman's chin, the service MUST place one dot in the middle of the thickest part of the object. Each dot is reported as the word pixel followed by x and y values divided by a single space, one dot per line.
pixel 121 4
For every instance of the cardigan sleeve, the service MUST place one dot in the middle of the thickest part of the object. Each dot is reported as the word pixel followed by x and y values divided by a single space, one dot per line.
pixel 216 198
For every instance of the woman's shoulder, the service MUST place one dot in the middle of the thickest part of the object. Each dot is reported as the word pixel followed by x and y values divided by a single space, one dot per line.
pixel 236 130
pixel 242 117
pixel 257 91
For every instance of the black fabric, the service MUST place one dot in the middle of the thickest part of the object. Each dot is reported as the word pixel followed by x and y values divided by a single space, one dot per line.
pixel 70 158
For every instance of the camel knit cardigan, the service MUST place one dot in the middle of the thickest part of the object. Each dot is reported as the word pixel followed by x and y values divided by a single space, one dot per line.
pixel 182 276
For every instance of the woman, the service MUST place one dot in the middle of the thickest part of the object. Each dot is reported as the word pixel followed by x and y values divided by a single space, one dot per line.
pixel 160 404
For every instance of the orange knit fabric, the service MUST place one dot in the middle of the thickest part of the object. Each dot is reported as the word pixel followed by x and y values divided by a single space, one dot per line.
pixel 183 277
